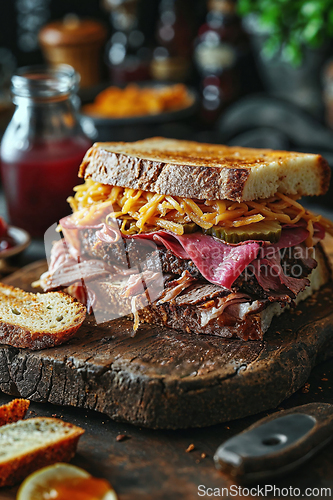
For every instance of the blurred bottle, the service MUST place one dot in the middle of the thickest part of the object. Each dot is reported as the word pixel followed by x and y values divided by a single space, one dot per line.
pixel 127 55
pixel 172 56
pixel 42 147
pixel 7 68
pixel 217 47
pixel 76 42
pixel 328 92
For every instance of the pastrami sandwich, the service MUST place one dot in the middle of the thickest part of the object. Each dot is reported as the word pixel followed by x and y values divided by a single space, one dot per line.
pixel 204 238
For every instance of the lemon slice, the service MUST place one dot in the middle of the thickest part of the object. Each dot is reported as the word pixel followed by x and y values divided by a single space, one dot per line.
pixel 42 484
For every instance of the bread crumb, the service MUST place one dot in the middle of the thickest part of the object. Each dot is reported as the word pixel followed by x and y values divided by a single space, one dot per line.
pixel 203 455
pixel 121 437
pixel 190 448
pixel 306 388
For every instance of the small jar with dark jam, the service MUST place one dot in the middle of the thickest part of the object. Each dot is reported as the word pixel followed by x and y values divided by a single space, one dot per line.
pixel 42 147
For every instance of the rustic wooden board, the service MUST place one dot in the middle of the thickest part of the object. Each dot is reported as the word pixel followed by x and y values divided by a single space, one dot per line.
pixel 165 379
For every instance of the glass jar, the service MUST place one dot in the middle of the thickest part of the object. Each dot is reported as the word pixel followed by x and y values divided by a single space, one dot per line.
pixel 42 147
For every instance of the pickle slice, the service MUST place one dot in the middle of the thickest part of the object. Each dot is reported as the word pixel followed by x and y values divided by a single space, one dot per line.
pixel 263 230
pixel 191 227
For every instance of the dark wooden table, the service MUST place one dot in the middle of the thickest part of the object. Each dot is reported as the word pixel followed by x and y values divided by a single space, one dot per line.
pixel 154 465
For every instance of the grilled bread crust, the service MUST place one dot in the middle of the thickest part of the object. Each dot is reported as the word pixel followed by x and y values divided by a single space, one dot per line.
pixel 205 171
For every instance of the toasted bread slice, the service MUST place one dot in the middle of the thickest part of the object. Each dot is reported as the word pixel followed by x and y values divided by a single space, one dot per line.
pixel 205 171
pixel 37 321
pixel 13 411
pixel 28 445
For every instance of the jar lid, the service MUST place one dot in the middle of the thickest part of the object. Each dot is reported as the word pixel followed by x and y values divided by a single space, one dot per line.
pixel 72 31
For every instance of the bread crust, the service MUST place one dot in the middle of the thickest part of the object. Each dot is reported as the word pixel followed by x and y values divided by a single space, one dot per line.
pixel 15 470
pixel 324 173
pixel 16 336
pixel 13 411
pixel 205 171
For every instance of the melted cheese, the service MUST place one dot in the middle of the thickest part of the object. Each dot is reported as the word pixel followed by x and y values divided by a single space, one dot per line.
pixel 142 211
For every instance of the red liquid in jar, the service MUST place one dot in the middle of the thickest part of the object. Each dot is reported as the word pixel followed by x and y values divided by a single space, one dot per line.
pixel 38 181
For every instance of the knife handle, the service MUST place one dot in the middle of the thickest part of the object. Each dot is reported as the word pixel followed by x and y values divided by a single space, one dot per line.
pixel 276 444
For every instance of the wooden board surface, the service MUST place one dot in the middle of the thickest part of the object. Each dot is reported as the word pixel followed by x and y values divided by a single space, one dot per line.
pixel 166 379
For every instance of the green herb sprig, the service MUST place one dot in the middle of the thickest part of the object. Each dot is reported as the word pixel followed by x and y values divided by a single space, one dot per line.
pixel 292 25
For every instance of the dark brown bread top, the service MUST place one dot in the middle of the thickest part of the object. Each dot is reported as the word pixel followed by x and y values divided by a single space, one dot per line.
pixel 205 171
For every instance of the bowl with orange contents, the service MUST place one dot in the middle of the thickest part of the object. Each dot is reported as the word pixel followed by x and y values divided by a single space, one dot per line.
pixel 133 112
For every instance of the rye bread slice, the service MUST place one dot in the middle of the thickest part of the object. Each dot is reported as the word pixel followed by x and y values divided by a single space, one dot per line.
pixel 31 444
pixel 205 171
pixel 38 321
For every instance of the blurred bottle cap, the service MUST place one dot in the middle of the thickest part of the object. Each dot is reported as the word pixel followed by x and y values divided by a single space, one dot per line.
pixel 224 6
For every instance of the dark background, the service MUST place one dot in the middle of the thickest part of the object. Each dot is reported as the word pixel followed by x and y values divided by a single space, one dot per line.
pixel 49 10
